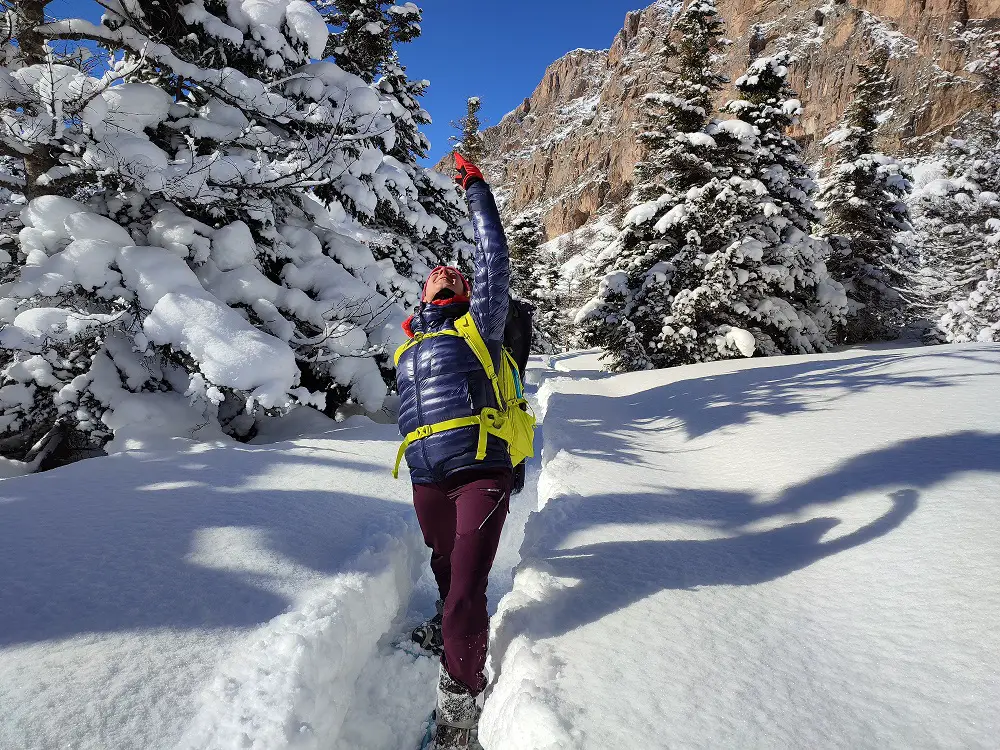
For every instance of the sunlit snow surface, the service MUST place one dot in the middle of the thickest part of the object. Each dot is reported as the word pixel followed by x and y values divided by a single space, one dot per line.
pixel 770 553
pixel 780 553
pixel 217 596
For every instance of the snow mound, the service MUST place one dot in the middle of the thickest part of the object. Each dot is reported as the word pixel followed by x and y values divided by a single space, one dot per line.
pixel 209 595
pixel 293 683
pixel 795 549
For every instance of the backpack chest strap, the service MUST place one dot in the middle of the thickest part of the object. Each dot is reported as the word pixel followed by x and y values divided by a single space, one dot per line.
pixel 417 338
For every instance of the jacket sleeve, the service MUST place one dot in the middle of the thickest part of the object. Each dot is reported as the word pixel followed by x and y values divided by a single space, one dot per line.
pixel 492 281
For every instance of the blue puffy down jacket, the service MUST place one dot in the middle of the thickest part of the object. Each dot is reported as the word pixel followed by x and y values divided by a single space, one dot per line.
pixel 440 378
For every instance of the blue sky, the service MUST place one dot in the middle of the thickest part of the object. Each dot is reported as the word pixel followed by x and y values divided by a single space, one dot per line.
pixel 497 49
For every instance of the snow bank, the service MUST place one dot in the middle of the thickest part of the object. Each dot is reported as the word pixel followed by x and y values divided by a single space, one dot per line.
pixel 293 683
pixel 785 553
pixel 212 596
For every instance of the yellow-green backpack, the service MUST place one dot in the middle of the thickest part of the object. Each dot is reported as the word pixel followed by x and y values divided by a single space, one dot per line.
pixel 513 421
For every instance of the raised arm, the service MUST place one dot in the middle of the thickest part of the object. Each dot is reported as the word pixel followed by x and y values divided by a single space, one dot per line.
pixel 491 288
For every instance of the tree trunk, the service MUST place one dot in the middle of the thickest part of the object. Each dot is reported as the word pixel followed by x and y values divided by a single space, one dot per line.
pixel 45 447
pixel 31 15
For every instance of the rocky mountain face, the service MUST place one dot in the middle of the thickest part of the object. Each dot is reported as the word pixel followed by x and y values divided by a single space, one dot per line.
pixel 568 151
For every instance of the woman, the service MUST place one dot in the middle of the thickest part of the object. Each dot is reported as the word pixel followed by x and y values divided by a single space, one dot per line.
pixel 461 501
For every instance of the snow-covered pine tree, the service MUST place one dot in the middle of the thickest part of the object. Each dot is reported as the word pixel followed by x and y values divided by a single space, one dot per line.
pixel 977 317
pixel 174 272
pixel 429 224
pixel 524 237
pixel 957 216
pixel 469 140
pixel 956 220
pixel 368 32
pixel 751 278
pixel 863 197
pixel 552 327
pixel 633 299
pixel 728 266
pixel 773 281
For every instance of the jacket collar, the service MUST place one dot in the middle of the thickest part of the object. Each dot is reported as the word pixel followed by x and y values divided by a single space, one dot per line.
pixel 433 317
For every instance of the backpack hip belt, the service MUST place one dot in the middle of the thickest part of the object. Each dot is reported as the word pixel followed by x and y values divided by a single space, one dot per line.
pixel 512 421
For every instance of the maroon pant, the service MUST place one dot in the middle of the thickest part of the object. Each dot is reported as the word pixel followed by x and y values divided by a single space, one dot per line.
pixel 461 519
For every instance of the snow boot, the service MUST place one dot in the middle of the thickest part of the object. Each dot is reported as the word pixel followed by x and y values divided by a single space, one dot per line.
pixel 428 635
pixel 457 716
pixel 519 475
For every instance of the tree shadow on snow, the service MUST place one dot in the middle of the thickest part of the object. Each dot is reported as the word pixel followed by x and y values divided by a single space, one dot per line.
pixel 76 560
pixel 622 428
pixel 614 575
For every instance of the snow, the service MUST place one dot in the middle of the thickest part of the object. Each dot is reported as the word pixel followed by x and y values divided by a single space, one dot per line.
pixel 741 340
pixel 85 262
pixel 196 320
pixel 10 468
pixel 672 217
pixel 265 12
pixel 896 43
pixel 792 107
pixel 700 139
pixel 87 226
pixel 799 553
pixel 213 25
pixel 31 328
pixel 644 212
pixel 205 596
pixel 740 130
pixel 233 246
pixel 784 552
pixel 229 351
pixel 135 158
pixel 306 23
pixel 132 107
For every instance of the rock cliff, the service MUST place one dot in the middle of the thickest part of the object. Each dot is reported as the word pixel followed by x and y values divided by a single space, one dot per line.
pixel 568 151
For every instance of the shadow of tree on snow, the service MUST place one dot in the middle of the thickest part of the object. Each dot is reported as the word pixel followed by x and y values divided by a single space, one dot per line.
pixel 614 575
pixel 75 559
pixel 622 428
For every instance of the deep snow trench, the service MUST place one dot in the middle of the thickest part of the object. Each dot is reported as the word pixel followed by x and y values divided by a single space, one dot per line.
pixel 396 691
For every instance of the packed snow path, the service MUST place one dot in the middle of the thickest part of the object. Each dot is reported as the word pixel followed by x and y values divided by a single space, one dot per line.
pixel 396 692
pixel 212 595
pixel 779 553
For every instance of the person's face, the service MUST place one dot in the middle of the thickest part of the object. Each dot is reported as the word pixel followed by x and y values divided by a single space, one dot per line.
pixel 442 279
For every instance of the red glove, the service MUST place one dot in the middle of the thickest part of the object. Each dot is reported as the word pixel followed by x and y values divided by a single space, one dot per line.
pixel 468 173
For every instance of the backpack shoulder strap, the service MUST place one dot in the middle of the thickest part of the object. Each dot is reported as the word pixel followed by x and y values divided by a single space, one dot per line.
pixel 466 327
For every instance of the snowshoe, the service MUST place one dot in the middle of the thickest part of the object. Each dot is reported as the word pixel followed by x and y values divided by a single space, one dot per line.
pixel 457 716
pixel 427 739
pixel 455 738
pixel 429 635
